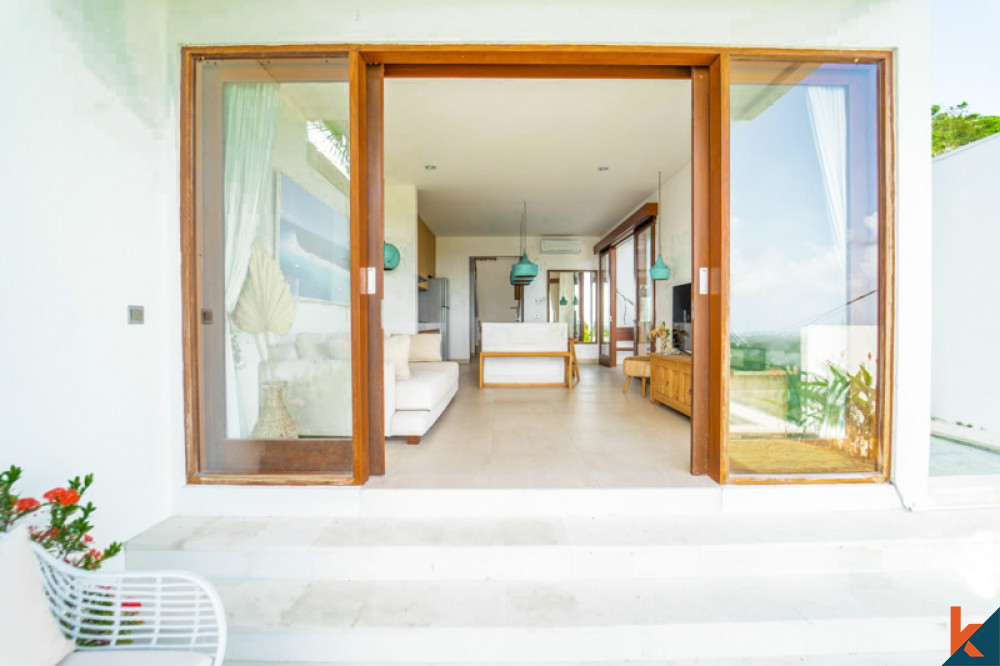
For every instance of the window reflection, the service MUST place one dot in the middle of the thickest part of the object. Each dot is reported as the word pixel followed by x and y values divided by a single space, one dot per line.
pixel 804 268
pixel 572 299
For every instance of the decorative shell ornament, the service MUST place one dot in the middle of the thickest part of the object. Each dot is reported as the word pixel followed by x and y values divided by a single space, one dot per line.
pixel 266 304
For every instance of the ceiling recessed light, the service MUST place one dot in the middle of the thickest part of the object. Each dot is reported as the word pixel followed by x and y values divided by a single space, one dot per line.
pixel 603 168
pixel 430 167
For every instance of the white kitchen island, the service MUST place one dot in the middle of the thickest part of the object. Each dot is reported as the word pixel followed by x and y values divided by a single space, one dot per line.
pixel 526 354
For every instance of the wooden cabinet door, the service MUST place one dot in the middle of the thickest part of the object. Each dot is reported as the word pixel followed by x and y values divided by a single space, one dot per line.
pixel 681 382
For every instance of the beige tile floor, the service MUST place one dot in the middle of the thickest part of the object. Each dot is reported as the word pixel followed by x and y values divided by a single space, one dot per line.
pixel 591 437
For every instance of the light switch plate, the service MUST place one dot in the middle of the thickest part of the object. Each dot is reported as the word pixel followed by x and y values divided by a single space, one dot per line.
pixel 136 314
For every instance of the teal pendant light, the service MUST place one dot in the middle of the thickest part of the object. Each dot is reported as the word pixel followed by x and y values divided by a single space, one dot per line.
pixel 524 271
pixel 562 301
pixel 659 270
pixel 390 256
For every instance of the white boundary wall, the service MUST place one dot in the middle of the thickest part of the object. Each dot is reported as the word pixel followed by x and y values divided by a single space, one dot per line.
pixel 966 350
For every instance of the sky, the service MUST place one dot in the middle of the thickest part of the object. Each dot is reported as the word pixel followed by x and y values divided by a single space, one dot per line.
pixel 965 47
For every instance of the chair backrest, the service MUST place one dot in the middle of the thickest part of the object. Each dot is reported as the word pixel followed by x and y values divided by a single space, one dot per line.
pixel 154 610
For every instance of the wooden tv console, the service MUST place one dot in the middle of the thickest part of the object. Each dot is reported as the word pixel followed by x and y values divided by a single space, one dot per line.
pixel 670 381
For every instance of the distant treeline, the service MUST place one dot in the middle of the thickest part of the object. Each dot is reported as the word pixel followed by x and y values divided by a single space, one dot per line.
pixel 956 126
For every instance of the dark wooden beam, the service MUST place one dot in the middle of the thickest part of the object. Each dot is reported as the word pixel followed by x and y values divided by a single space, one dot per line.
pixel 645 213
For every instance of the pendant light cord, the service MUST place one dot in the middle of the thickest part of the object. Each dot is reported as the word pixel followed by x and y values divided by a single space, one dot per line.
pixel 659 221
pixel 524 229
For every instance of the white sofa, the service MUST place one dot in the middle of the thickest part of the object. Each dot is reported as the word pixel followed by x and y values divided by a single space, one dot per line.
pixel 414 404
pixel 317 369
pixel 318 396
pixel 524 337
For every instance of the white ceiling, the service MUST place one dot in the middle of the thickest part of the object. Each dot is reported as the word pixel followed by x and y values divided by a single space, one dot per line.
pixel 498 142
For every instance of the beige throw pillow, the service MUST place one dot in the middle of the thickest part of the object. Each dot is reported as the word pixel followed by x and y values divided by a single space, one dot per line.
pixel 425 348
pixel 29 634
pixel 397 350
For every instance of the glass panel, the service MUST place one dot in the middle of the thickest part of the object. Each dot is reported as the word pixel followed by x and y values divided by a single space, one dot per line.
pixel 605 274
pixel 588 307
pixel 804 268
pixel 571 298
pixel 644 288
pixel 625 297
pixel 275 220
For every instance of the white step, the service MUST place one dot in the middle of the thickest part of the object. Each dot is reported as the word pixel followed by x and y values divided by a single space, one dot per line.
pixel 562 548
pixel 866 587
pixel 365 501
pixel 840 659
pixel 588 621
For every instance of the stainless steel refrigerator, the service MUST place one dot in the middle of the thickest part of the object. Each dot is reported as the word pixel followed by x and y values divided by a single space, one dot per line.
pixel 432 310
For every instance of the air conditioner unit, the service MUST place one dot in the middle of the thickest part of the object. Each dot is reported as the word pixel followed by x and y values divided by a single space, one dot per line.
pixel 560 246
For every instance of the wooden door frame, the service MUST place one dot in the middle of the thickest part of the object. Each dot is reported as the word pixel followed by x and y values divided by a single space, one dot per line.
pixel 708 69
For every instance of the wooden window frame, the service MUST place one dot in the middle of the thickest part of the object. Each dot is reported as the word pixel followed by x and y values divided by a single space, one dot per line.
pixel 708 70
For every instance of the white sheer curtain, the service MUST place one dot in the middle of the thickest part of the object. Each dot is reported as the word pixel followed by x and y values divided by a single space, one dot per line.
pixel 251 111
pixel 828 119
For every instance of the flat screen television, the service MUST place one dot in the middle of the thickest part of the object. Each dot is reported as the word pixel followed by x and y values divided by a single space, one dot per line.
pixel 682 317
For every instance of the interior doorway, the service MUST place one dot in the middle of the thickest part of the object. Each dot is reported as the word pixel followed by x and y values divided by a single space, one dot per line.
pixel 580 213
pixel 493 298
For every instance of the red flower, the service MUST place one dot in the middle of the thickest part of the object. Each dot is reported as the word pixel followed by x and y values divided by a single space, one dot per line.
pixel 88 539
pixel 131 604
pixel 63 496
pixel 26 504
pixel 95 554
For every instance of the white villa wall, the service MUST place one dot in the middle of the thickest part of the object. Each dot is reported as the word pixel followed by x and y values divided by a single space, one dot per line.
pixel 399 311
pixel 965 351
pixel 453 253
pixel 90 226
pixel 91 184
pixel 675 227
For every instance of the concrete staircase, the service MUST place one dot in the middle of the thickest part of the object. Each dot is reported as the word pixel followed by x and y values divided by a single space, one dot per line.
pixel 452 577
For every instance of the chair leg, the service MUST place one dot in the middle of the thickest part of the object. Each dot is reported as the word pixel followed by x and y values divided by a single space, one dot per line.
pixel 643 387
pixel 628 378
pixel 413 439
pixel 575 365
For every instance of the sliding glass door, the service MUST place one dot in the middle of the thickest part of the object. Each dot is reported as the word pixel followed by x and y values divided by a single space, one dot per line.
pixel 607 306
pixel 277 306
pixel 643 288
pixel 804 372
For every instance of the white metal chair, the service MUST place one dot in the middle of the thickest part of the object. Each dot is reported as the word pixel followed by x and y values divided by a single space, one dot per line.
pixel 135 610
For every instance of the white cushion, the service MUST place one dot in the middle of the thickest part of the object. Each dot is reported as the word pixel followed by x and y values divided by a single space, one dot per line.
pixel 29 634
pixel 282 353
pixel 428 383
pixel 338 345
pixel 312 345
pixel 425 348
pixel 136 658
pixel 397 351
